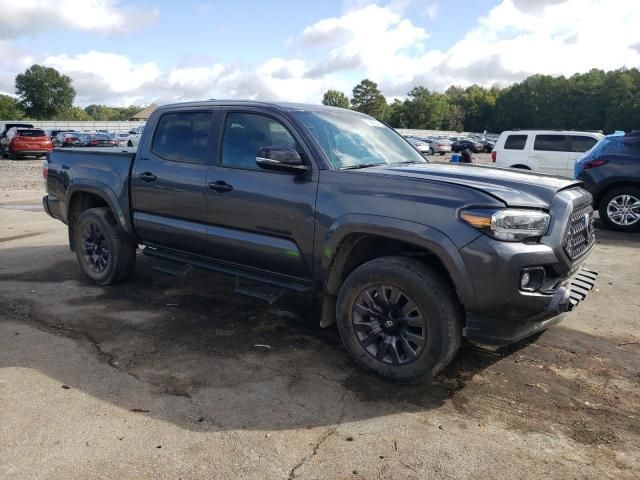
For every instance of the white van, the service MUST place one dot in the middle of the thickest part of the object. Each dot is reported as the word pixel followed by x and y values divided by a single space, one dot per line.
pixel 546 151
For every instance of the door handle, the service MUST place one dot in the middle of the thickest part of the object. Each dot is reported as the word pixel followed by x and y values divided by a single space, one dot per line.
pixel 220 186
pixel 147 177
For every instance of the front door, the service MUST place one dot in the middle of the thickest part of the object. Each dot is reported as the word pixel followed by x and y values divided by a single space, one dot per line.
pixel 258 218
pixel 168 181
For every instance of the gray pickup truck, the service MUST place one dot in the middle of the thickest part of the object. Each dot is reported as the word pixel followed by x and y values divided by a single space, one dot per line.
pixel 407 256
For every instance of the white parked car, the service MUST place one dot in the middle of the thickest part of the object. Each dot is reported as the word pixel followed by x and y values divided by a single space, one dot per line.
pixel 134 136
pixel 545 151
pixel 122 138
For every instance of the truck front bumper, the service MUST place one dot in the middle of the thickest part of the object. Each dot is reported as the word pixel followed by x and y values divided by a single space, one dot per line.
pixel 500 331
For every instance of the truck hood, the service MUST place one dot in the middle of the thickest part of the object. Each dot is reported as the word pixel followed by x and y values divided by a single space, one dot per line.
pixel 516 188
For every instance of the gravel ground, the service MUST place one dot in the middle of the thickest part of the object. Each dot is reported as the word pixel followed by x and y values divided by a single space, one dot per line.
pixel 166 378
pixel 20 174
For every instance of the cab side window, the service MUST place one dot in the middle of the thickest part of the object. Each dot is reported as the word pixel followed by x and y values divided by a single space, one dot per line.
pixel 183 136
pixel 246 133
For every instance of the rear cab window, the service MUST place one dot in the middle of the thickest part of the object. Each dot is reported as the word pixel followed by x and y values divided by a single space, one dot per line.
pixel 515 142
pixel 183 136
pixel 551 143
pixel 582 143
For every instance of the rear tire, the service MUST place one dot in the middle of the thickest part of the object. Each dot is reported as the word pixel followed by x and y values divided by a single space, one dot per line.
pixel 104 251
pixel 615 203
pixel 441 154
pixel 385 334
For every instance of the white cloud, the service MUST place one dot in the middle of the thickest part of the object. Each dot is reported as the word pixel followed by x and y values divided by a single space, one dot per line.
pixel 375 38
pixel 102 16
pixel 515 39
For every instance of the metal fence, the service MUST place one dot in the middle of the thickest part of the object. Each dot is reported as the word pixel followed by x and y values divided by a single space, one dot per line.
pixel 111 126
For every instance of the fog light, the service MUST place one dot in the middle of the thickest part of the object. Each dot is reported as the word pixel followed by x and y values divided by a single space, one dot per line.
pixel 531 279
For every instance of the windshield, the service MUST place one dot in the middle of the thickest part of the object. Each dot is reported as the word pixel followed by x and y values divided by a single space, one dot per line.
pixel 351 140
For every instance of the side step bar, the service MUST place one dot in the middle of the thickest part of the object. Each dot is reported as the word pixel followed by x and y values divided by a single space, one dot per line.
pixel 228 270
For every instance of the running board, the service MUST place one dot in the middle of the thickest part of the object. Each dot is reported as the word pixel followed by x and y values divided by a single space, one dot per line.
pixel 259 291
pixel 239 273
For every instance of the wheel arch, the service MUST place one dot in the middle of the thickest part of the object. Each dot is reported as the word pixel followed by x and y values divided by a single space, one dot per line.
pixel 356 239
pixel 81 198
pixel 600 194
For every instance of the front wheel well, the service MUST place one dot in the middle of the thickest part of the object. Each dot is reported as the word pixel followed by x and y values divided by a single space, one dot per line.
pixel 357 249
pixel 79 202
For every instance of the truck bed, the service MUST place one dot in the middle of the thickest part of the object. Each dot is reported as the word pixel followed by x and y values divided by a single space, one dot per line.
pixel 105 171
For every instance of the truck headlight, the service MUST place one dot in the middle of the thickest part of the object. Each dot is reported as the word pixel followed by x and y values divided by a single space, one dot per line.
pixel 509 224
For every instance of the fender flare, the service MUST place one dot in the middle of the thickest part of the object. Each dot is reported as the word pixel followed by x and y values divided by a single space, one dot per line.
pixel 106 193
pixel 414 233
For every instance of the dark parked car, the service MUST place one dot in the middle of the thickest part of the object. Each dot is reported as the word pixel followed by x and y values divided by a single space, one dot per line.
pixel 611 172
pixel 487 145
pixel 21 142
pixel 95 140
pixel 408 257
pixel 66 139
pixel 474 146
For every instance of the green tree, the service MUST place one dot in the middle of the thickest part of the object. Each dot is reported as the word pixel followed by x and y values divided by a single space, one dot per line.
pixel 335 98
pixel 10 108
pixel 73 113
pixel 368 99
pixel 44 92
pixel 396 116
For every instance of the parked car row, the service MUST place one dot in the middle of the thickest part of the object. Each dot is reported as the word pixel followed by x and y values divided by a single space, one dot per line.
pixel 22 139
pixel 430 145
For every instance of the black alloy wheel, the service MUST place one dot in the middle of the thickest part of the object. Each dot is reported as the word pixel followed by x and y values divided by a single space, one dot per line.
pixel 96 248
pixel 389 324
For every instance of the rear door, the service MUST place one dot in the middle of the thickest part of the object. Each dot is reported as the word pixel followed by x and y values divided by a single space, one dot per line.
pixel 550 153
pixel 258 218
pixel 579 144
pixel 168 181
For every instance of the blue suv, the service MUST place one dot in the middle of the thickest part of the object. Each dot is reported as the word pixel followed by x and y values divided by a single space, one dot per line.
pixel 611 173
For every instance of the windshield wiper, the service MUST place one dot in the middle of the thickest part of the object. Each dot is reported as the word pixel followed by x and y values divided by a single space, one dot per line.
pixel 409 162
pixel 362 165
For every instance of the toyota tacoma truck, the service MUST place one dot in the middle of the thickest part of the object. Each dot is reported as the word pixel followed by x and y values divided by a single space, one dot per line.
pixel 407 256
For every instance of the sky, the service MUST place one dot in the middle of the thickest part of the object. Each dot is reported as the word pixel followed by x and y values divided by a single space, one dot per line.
pixel 125 52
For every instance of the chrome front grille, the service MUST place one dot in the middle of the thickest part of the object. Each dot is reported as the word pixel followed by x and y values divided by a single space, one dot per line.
pixel 579 235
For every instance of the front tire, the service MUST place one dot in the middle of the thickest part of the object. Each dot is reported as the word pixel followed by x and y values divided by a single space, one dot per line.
pixel 129 144
pixel 399 319
pixel 620 209
pixel 105 253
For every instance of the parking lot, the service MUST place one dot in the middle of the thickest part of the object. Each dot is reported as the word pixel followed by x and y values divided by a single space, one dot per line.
pixel 180 378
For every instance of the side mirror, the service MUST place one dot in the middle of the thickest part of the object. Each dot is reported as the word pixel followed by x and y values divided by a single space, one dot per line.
pixel 281 159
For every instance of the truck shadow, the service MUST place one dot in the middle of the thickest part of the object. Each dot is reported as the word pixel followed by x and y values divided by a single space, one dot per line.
pixel 193 353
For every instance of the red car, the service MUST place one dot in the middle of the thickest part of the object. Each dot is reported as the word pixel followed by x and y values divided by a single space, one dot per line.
pixel 26 141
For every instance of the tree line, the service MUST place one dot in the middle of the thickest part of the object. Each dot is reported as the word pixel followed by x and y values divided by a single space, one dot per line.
pixel 45 94
pixel 596 100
